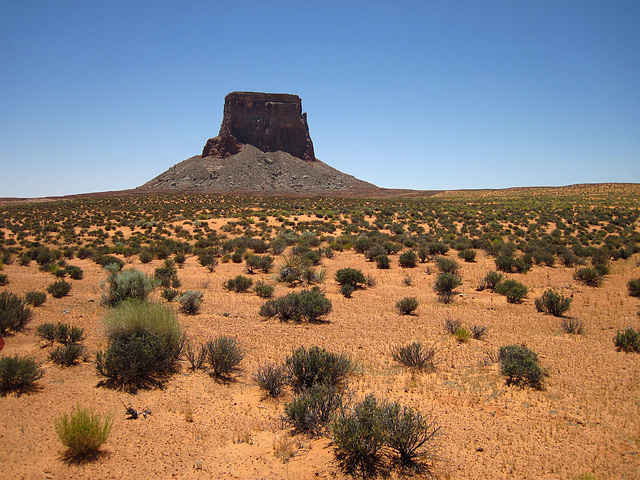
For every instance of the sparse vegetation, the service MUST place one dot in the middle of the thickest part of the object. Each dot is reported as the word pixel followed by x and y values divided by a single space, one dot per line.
pixel 445 286
pixel 520 366
pixel 18 374
pixel 224 356
pixel 316 366
pixel 513 290
pixel 238 284
pixel 83 432
pixel 407 305
pixel 190 301
pixel 415 355
pixel 14 314
pixel 633 286
pixel 35 298
pixel 59 289
pixel 628 340
pixel 272 379
pixel 309 305
pixel 553 303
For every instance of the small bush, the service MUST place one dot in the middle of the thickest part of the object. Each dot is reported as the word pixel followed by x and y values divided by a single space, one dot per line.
pixel 209 261
pixel 190 301
pixel 407 306
pixel 196 355
pixel 415 355
pixel 513 290
pixel 445 285
pixel 307 305
pixel 75 273
pixel 47 331
pixel 359 437
pixel 491 280
pixel 347 289
pixel 238 284
pixel 14 314
pixel 316 366
pixel 633 286
pixel 35 298
pixel 627 341
pixel 167 274
pixel 59 289
pixel 145 256
pixel 66 355
pixel 60 332
pixel 104 260
pixel 272 379
pixel 572 325
pixel 553 303
pixel 588 276
pixel 462 334
pixel 479 331
pixel 467 255
pixel 170 294
pixel 408 259
pixel 264 290
pixel 383 262
pixel 451 325
pixel 224 355
pixel 312 409
pixel 18 374
pixel 83 433
pixel 123 285
pixel 350 276
pixel 408 433
pixel 4 279
pixel 520 366
pixel 145 343
pixel 447 265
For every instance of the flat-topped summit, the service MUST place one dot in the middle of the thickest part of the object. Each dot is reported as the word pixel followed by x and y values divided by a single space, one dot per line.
pixel 268 121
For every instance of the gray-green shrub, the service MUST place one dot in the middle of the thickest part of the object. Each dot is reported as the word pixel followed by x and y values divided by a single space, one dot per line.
pixel 520 366
pixel 513 290
pixel 553 303
pixel 123 285
pixel 18 374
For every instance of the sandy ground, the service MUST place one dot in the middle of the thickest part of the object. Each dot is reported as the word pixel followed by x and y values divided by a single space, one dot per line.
pixel 585 421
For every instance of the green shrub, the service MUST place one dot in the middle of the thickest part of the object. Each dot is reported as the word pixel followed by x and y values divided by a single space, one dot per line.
pixel 491 280
pixel 144 345
pixel 4 279
pixel 260 262
pixel 447 265
pixel 59 289
pixel 359 436
pixel 264 290
pixel 190 301
pixel 35 298
pixel 272 379
pixel 224 355
pixel 18 374
pixel 462 334
pixel 415 355
pixel 408 259
pixel 307 305
pixel 383 262
pixel 66 355
pixel 350 276
pixel 180 258
pixel 14 314
pixel 347 290
pixel 316 366
pixel 312 409
pixel 60 332
pixel 238 284
pixel 407 306
pixel 104 260
pixel 167 274
pixel 408 433
pixel 633 286
pixel 513 290
pixel 553 303
pixel 445 285
pixel 627 341
pixel 520 366
pixel 588 276
pixel 83 433
pixel 208 260
pixel 170 294
pixel 74 272
pixel 145 256
pixel 124 285
pixel 467 255
pixel 47 331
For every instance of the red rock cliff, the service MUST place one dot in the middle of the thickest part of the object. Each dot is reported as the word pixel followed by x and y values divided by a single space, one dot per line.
pixel 268 121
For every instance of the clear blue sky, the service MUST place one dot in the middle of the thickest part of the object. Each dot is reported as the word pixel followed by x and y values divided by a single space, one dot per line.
pixel 106 95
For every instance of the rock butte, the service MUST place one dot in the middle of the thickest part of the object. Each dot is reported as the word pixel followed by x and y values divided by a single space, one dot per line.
pixel 263 147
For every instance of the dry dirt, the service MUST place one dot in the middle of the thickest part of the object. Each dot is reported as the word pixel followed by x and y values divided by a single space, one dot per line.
pixel 584 424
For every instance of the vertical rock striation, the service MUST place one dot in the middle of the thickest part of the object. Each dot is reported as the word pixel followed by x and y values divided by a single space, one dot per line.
pixel 270 122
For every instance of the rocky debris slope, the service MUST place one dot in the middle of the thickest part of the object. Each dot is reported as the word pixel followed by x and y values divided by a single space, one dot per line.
pixel 254 171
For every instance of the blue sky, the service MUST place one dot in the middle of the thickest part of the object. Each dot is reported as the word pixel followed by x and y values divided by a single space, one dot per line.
pixel 98 96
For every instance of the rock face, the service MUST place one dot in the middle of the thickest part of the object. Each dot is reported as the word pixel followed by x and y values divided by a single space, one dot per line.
pixel 268 121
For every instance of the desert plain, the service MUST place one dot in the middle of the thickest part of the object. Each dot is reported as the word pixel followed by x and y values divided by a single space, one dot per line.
pixel 583 424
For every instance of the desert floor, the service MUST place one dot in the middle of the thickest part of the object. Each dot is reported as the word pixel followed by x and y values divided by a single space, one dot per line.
pixel 583 424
